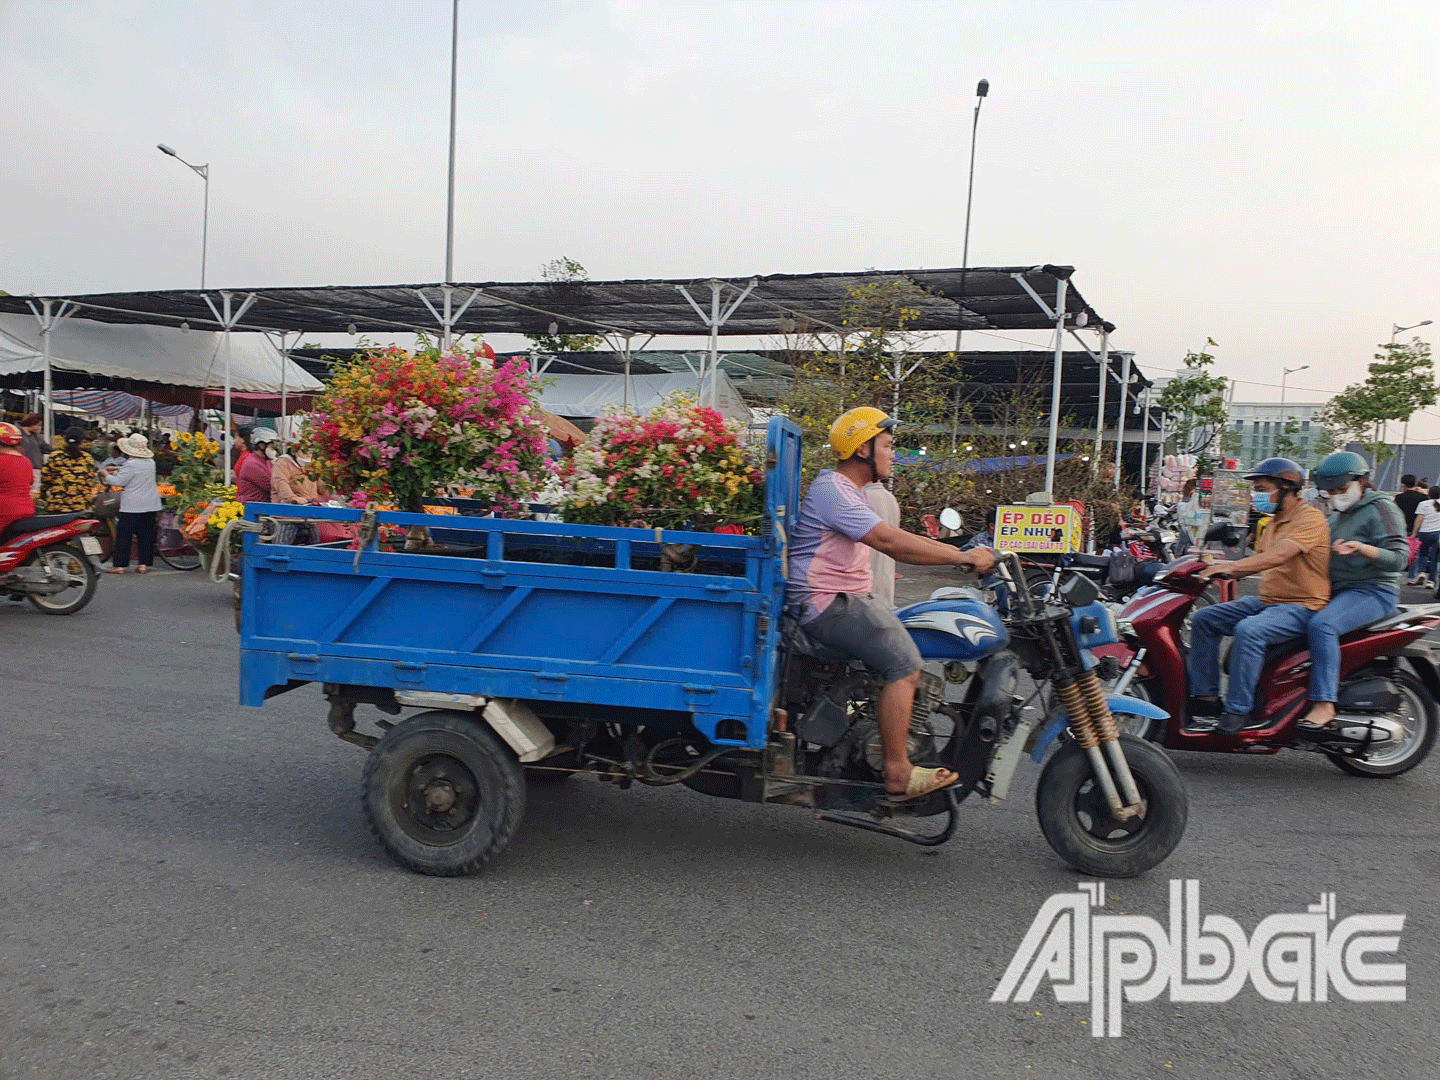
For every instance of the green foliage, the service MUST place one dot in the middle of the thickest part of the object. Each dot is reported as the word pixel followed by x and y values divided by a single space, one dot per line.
pixel 1401 379
pixel 1196 399
pixel 567 276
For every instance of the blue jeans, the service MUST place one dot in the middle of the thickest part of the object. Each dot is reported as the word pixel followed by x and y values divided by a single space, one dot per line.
pixel 1425 558
pixel 1256 627
pixel 1348 610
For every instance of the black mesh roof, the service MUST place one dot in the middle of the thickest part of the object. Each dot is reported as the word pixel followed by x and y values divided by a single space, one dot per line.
pixel 980 298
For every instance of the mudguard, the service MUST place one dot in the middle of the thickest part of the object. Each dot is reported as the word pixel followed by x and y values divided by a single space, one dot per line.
pixel 1128 706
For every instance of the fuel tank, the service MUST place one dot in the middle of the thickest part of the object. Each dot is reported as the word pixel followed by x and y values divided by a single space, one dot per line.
pixel 955 624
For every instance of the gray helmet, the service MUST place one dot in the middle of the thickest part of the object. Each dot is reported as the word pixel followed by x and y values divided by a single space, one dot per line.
pixel 1339 469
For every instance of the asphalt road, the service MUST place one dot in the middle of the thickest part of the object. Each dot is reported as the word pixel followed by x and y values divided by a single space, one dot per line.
pixel 188 889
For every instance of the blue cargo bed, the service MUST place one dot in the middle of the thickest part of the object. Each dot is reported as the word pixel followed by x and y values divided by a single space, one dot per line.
pixel 540 611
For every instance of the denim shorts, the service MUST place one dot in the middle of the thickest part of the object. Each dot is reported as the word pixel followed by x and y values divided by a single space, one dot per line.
pixel 868 631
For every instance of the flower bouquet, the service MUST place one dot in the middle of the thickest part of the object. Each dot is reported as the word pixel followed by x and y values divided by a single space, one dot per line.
pixel 395 427
pixel 683 466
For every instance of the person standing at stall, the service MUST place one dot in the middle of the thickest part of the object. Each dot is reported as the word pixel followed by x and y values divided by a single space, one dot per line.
pixel 140 503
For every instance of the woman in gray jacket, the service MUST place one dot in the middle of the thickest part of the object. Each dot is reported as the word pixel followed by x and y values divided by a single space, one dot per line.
pixel 139 503
pixel 1368 554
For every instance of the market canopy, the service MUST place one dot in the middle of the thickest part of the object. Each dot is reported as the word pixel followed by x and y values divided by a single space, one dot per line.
pixel 978 298
pixel 88 354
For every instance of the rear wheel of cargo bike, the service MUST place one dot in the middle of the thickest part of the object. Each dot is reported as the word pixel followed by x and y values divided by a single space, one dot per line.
pixel 443 794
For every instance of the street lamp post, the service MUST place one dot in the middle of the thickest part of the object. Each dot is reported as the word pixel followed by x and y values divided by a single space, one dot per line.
pixel 1285 373
pixel 1396 328
pixel 202 171
pixel 982 90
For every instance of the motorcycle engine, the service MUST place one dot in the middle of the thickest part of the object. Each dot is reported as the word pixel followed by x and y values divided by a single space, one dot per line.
pixel 928 695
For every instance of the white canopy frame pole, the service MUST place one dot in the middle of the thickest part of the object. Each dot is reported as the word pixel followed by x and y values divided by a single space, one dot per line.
pixel 449 320
pixel 227 320
pixel 1120 424
pixel 1100 411
pixel 1145 448
pixel 49 317
pixel 715 320
pixel 1062 287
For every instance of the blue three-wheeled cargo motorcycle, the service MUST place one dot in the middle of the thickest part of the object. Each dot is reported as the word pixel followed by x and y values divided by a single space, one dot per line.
pixel 547 649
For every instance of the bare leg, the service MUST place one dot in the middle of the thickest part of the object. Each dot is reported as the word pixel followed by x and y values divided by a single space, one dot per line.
pixel 896 701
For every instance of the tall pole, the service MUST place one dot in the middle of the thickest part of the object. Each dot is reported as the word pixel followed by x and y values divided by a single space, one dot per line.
pixel 1100 409
pixel 1145 448
pixel 229 432
pixel 982 90
pixel 202 171
pixel 450 195
pixel 1120 424
pixel 1061 287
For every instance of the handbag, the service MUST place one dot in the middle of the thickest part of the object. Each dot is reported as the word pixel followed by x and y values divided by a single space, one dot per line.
pixel 106 504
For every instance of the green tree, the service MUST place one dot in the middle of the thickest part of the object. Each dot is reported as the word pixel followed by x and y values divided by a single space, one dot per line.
pixel 1196 399
pixel 1400 380
pixel 567 277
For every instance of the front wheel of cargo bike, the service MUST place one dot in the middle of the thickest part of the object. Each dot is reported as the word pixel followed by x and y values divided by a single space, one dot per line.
pixel 443 794
pixel 1076 820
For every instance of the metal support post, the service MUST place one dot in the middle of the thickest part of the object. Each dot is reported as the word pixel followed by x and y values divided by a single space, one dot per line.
pixel 450 319
pixel 228 320
pixel 49 317
pixel 1100 410
pixel 715 320
pixel 1061 287
pixel 450 190
pixel 1120 424
pixel 1145 448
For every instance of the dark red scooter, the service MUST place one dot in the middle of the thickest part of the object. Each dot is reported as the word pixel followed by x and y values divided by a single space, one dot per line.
pixel 49 560
pixel 1389 682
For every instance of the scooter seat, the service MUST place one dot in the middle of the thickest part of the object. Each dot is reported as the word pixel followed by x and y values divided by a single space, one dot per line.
pixel 34 524
pixel 1094 562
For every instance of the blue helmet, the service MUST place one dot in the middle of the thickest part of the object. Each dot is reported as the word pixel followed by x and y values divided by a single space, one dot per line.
pixel 1279 469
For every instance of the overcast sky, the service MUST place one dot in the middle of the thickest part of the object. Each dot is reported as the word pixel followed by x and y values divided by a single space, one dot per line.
pixel 1264 174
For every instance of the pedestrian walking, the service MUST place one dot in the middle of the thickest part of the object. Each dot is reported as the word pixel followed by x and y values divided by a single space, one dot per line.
pixel 34 448
pixel 1427 530
pixel 140 503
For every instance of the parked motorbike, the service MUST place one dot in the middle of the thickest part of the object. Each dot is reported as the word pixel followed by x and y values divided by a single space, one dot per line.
pixel 48 561
pixel 1389 682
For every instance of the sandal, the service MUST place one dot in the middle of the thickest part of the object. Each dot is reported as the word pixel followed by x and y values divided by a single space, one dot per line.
pixel 142 569
pixel 923 782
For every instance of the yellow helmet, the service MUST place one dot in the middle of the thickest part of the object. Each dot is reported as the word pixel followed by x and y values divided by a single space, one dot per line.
pixel 855 428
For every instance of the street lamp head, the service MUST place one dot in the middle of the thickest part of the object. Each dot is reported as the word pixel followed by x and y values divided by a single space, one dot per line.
pixel 166 150
pixel 983 88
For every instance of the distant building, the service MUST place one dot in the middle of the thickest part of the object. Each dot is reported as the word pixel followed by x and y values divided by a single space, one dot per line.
pixel 1255 427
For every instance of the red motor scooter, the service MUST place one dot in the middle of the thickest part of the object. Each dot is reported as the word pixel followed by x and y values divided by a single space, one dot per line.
pixel 1389 683
pixel 47 560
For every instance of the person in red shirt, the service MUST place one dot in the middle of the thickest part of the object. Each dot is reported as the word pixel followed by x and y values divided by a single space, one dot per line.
pixel 252 482
pixel 16 478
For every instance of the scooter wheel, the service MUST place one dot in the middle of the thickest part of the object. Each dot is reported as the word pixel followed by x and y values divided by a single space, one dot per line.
pixel 1418 716
pixel 70 563
pixel 1076 820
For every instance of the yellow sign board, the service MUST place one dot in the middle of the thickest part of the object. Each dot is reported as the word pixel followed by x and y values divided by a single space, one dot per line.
pixel 1038 529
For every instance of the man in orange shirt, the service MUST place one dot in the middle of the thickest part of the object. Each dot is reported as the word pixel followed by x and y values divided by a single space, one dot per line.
pixel 1292 556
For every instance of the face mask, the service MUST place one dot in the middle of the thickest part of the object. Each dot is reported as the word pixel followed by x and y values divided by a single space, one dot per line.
pixel 303 462
pixel 271 453
pixel 1263 502
pixel 1347 498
